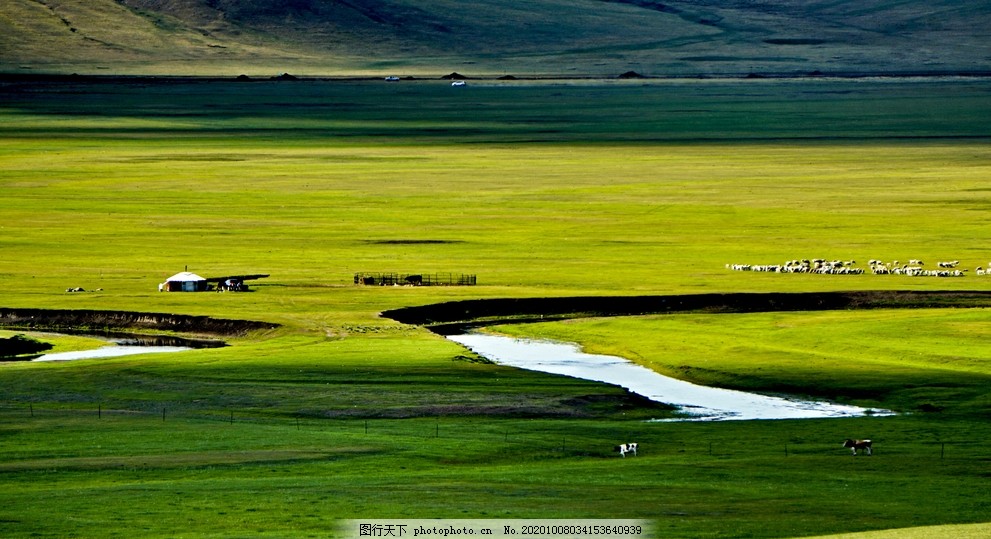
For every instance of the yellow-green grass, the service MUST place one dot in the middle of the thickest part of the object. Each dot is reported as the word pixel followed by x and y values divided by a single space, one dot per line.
pixel 540 190
pixel 123 216
pixel 964 531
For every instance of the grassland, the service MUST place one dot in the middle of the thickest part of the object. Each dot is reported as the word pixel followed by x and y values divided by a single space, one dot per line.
pixel 541 190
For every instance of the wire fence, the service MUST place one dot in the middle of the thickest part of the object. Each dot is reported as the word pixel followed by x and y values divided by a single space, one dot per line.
pixel 415 279
pixel 653 438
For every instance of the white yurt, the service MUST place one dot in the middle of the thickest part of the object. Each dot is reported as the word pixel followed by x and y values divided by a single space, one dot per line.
pixel 183 281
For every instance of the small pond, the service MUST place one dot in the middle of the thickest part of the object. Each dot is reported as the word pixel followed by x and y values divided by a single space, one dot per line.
pixel 700 403
pixel 122 344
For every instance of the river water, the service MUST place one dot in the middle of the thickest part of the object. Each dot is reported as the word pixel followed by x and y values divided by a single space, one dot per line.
pixel 114 350
pixel 127 345
pixel 698 403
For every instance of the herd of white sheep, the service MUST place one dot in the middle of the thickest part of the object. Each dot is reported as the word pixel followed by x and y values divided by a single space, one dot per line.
pixel 914 268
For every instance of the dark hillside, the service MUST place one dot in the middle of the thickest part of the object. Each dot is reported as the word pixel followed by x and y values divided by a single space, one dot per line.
pixel 495 37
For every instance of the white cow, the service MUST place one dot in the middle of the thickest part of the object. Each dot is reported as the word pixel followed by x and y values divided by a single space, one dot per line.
pixel 627 448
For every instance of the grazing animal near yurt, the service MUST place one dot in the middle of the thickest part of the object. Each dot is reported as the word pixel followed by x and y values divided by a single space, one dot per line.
pixel 854 445
pixel 627 448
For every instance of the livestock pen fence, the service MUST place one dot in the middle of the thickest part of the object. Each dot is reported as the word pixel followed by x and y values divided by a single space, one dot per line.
pixel 414 279
pixel 530 436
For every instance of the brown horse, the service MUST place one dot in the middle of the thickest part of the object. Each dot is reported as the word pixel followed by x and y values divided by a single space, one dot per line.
pixel 854 445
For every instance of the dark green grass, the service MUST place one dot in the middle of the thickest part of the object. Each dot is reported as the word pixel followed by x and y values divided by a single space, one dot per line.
pixel 353 378
pixel 488 111
pixel 214 478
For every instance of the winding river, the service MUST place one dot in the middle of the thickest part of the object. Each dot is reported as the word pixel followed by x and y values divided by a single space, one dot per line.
pixel 695 402
pixel 698 403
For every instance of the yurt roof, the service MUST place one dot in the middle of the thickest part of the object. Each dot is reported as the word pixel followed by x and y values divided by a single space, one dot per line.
pixel 185 276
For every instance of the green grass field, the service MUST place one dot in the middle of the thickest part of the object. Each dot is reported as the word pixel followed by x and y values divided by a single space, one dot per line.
pixel 540 189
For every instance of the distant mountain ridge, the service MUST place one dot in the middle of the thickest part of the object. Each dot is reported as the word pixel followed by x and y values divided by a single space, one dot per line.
pixel 538 37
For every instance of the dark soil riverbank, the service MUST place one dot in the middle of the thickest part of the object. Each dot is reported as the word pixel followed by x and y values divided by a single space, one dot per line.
pixel 457 316
pixel 103 321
